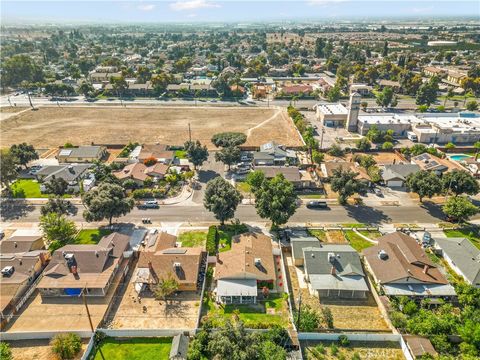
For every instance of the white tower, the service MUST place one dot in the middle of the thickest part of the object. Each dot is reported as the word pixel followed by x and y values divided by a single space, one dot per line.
pixel 353 110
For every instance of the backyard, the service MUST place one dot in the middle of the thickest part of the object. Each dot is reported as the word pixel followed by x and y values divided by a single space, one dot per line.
pixel 264 314
pixel 364 350
pixel 192 238
pixel 472 234
pixel 134 349
pixel 91 236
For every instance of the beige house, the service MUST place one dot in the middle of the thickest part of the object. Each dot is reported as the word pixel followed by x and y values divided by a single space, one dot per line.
pixel 81 154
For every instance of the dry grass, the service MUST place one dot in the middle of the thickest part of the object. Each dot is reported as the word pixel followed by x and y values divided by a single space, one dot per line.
pixel 53 126
pixel 38 350
pixel 382 158
pixel 11 110
pixel 366 350
pixel 335 237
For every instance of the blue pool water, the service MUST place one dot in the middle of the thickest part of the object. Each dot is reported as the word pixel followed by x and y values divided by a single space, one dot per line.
pixel 459 157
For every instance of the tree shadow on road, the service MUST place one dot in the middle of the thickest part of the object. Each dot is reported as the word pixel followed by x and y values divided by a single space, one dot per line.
pixel 367 215
pixel 12 209
pixel 433 209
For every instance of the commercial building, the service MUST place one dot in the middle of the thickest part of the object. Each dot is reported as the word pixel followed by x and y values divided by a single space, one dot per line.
pixel 332 115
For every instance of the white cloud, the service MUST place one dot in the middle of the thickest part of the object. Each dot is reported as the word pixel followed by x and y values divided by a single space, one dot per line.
pixel 146 7
pixel 192 4
pixel 191 16
pixel 420 10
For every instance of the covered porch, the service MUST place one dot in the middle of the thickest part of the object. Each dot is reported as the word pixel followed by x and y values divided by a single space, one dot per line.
pixel 236 291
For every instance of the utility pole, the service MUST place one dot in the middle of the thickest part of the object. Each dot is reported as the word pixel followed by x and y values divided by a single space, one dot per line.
pixel 321 139
pixel 299 311
pixel 189 133
pixel 88 311
pixel 30 100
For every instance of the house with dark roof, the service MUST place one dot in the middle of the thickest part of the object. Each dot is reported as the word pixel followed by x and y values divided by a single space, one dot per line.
pixel 300 241
pixel 334 271
pixel 271 154
pixel 401 267
pixel 249 264
pixel 462 256
pixel 163 258
pixel 395 175
pixel 73 174
pixel 90 269
pixel 82 154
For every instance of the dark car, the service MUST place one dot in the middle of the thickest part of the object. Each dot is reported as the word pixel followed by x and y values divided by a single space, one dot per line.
pixel 315 204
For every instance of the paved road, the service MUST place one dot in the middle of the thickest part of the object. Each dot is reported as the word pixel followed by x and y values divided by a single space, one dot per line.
pixel 17 212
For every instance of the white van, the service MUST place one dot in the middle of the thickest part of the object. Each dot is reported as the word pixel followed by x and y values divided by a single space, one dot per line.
pixel 412 136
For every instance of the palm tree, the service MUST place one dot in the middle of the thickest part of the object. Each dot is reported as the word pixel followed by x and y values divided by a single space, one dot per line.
pixel 165 287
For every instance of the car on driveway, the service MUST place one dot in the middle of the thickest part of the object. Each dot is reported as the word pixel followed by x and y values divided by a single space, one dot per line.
pixel 378 192
pixel 316 204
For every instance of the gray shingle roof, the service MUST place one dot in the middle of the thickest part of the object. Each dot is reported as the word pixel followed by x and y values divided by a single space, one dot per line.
pixel 399 171
pixel 464 255
pixel 68 173
pixel 346 260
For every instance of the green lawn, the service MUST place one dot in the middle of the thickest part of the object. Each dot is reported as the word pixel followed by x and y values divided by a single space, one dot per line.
pixel 135 349
pixel 192 238
pixel 312 196
pixel 28 188
pixel 180 154
pixel 472 234
pixel 253 316
pixel 225 234
pixel 243 186
pixel 357 242
pixel 91 236
pixel 319 234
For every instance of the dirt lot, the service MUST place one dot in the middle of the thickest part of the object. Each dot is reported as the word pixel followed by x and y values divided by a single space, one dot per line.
pixel 347 314
pixel 38 350
pixel 53 126
pixel 180 313
pixel 366 350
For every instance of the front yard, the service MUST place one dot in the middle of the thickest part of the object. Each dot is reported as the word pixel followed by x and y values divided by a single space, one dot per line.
pixel 264 314
pixel 225 234
pixel 135 348
pixel 359 243
pixel 472 234
pixel 346 236
pixel 28 188
pixel 91 236
pixel 192 238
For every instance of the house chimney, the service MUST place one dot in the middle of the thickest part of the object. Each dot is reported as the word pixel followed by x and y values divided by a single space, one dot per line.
pixel 425 269
pixel 333 271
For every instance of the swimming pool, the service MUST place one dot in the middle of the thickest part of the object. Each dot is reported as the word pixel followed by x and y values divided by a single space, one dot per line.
pixel 459 157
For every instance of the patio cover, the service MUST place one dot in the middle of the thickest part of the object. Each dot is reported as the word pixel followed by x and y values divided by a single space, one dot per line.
pixel 330 282
pixel 419 290
pixel 237 287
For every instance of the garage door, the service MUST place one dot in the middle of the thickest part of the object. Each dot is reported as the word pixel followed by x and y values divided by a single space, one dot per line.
pixel 395 183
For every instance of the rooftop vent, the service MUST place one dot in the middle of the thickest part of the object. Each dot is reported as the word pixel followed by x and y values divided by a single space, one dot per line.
pixel 258 261
pixel 382 255
pixel 331 257
pixel 176 265
pixel 8 270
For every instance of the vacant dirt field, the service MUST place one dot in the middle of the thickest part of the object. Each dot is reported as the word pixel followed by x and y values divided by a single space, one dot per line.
pixel 38 350
pixel 53 126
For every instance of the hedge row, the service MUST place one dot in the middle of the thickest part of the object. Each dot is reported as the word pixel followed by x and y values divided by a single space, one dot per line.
pixel 148 193
pixel 212 240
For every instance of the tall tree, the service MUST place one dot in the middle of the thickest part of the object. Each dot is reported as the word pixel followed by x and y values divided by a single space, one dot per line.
pixel 57 229
pixel 424 183
pixel 228 155
pixel 8 167
pixel 345 183
pixel 222 199
pixel 24 153
pixel 276 200
pixel 56 205
pixel 166 287
pixel 106 202
pixel 56 186
pixel 460 208
pixel 227 139
pixel 196 153
pixel 255 179
pixel 386 97
pixel 460 182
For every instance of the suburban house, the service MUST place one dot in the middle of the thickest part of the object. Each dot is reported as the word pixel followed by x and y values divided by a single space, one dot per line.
pixel 90 269
pixel 296 89
pixel 22 240
pixel 430 162
pixel 362 89
pixel 462 256
pixel 76 175
pixel 162 258
pixel 22 259
pixel 334 271
pixel 249 265
pixel 395 175
pixel 139 172
pixel 159 152
pixel 395 85
pixel 298 242
pixel 273 154
pixel 401 267
pixel 473 165
pixel 301 179
pixel 434 71
pixel 81 154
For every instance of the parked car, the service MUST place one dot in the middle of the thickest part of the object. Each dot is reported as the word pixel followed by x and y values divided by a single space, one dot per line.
pixel 149 204
pixel 317 204
pixel 378 192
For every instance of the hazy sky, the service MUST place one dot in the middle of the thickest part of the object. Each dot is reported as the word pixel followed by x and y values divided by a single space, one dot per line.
pixel 210 10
